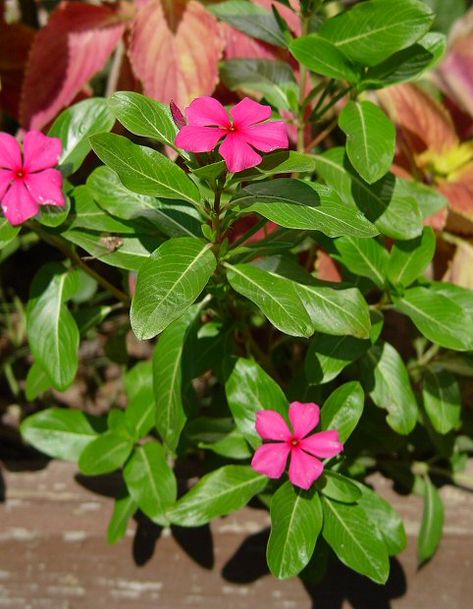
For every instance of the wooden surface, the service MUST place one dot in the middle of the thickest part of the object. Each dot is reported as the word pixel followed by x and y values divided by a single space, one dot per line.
pixel 53 555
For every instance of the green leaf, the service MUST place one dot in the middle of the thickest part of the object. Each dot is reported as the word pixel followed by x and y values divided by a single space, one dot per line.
pixel 283 161
pixel 409 259
pixel 387 380
pixel 296 521
pixel 442 400
pixel 432 522
pixel 37 382
pixel 251 19
pixel 172 378
pixel 429 199
pixel 231 446
pixel 219 493
pixel 123 251
pixel 168 283
pixel 343 409
pixel 144 170
pixel 106 453
pixel 441 319
pixel 52 332
pixel 373 30
pixel 143 116
pixel 338 487
pixel 272 78
pixel 75 125
pixel 249 389
pixel 123 510
pixel 7 232
pixel 351 535
pixel 294 204
pixel 328 355
pixel 393 210
pixel 59 433
pixel 408 64
pixel 141 410
pixel 365 257
pixel 371 139
pixel 384 516
pixel 150 481
pixel 323 57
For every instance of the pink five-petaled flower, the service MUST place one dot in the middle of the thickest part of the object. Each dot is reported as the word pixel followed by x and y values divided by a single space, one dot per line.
pixel 208 123
pixel 270 459
pixel 28 181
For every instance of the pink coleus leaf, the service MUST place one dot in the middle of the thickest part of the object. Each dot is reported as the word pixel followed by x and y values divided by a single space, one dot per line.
pixel 75 45
pixel 175 53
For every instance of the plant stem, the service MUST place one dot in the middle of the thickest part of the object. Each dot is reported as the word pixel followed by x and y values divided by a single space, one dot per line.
pixel 318 115
pixel 62 245
pixel 303 74
pixel 322 135
pixel 254 229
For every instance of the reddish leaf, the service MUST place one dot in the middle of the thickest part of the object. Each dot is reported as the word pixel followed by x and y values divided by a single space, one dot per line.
pixel 459 192
pixel 423 122
pixel 176 55
pixel 73 47
pixel 326 267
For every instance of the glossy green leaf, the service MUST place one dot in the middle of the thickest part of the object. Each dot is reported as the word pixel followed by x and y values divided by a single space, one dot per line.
pixel 296 521
pixel 249 389
pixel 123 510
pixel 143 116
pixel 432 522
pixel 37 382
pixel 387 380
pixel 168 283
pixel 52 331
pixel 271 78
pixel 141 410
pixel 172 378
pixel 371 139
pixel 387 204
pixel 75 125
pixel 365 257
pixel 232 446
pixel 144 170
pixel 328 355
pixel 442 400
pixel 281 161
pixel 338 487
pixel 384 516
pixel 441 319
pixel 409 259
pixel 373 30
pixel 323 57
pixel 106 453
pixel 59 433
pixel 252 19
pixel 294 204
pixel 219 493
pixel 343 409
pixel 357 543
pixel 7 232
pixel 150 481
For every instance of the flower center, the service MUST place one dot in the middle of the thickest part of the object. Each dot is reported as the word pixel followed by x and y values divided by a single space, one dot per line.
pixel 294 442
pixel 20 174
pixel 232 128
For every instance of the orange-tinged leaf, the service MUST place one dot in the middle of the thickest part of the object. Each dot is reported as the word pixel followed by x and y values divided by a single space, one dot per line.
pixel 326 268
pixel 66 53
pixel 423 122
pixel 460 271
pixel 459 193
pixel 176 58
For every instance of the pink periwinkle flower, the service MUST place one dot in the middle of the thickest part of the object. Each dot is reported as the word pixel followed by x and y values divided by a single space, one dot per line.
pixel 304 467
pixel 242 132
pixel 29 180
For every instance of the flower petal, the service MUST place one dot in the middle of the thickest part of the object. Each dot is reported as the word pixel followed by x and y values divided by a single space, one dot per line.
pixel 6 178
pixel 199 139
pixel 271 426
pixel 325 444
pixel 271 459
pixel 267 137
pixel 40 151
pixel 10 152
pixel 238 154
pixel 46 187
pixel 248 112
pixel 205 111
pixel 304 418
pixel 18 205
pixel 304 469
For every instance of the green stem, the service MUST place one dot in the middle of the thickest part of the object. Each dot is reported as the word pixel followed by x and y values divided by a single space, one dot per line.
pixel 317 115
pixel 63 246
pixel 303 75
pixel 254 229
